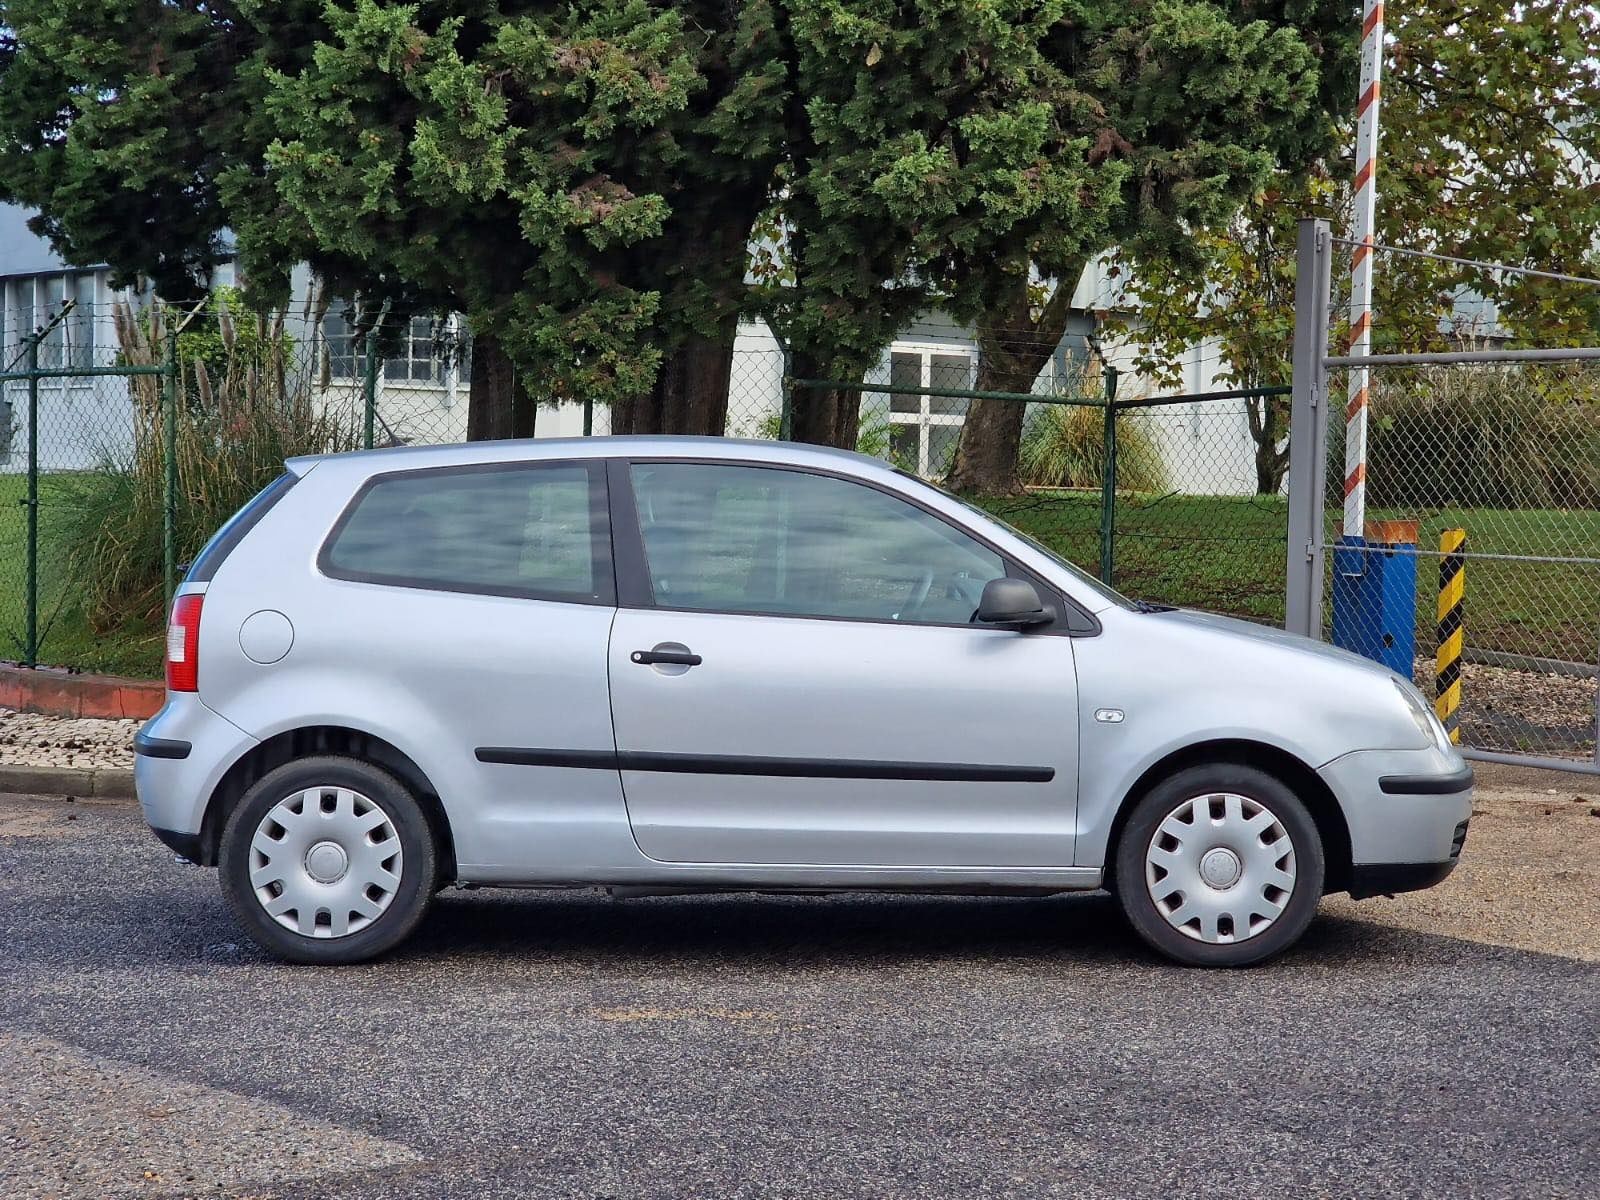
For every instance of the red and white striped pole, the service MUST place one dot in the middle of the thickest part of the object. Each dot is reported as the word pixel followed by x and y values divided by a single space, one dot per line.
pixel 1366 195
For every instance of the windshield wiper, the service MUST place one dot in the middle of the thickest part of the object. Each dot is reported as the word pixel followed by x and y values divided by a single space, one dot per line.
pixel 1146 606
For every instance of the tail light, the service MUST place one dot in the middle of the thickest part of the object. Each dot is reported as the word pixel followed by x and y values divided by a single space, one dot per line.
pixel 183 645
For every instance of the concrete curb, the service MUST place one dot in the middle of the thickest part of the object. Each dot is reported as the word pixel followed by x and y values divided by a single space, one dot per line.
pixel 98 783
pixel 59 693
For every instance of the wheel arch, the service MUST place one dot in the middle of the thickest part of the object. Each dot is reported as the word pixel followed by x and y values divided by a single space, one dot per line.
pixel 293 744
pixel 1289 770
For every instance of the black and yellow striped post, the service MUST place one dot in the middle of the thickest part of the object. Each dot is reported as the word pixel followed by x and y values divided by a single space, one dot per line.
pixel 1447 664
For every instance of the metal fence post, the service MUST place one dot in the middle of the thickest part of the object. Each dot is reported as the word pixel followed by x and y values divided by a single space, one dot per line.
pixel 1308 430
pixel 369 387
pixel 786 397
pixel 169 478
pixel 30 649
pixel 1108 481
pixel 588 416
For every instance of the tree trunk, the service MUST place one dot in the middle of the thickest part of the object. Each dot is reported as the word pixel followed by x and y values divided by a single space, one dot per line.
pixel 1013 347
pixel 690 394
pixel 496 406
pixel 825 418
pixel 1268 418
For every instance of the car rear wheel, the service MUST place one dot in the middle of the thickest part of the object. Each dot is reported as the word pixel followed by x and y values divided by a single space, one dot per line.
pixel 1220 865
pixel 327 860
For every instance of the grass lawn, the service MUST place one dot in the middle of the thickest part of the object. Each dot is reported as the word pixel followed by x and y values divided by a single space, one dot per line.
pixel 66 639
pixel 1227 554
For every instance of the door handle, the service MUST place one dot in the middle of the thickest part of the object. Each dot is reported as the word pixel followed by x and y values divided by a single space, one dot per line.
pixel 677 658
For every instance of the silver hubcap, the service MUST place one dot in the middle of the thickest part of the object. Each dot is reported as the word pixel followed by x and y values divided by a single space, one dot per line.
pixel 1220 868
pixel 325 862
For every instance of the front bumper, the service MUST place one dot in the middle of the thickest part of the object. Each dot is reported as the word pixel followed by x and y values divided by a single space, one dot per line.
pixel 1407 812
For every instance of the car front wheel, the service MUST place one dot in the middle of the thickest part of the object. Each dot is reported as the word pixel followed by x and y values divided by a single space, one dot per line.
pixel 327 860
pixel 1220 865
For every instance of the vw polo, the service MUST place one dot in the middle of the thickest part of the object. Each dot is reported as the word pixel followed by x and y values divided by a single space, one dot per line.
pixel 707 665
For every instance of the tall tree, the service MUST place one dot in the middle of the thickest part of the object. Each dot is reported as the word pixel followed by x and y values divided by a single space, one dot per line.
pixel 1491 151
pixel 1186 108
pixel 583 180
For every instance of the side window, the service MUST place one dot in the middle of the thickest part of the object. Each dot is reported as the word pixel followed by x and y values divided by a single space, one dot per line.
pixel 537 531
pixel 729 538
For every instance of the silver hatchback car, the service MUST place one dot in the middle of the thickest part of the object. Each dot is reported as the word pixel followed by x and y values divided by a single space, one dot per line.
pixel 676 664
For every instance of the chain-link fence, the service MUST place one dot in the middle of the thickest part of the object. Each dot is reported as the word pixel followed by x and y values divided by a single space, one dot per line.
pixel 1177 499
pixel 1481 550
pixel 130 432
pixel 1455 536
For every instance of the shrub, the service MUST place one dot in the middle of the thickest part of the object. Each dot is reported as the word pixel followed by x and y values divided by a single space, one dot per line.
pixel 1483 436
pixel 236 423
pixel 1064 446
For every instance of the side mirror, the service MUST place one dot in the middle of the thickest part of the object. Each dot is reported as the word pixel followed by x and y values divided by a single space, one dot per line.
pixel 1012 602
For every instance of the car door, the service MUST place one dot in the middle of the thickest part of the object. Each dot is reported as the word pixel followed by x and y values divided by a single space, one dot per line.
pixel 798 681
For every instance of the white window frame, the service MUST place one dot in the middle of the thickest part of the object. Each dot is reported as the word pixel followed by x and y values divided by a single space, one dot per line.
pixel 924 418
pixel 62 347
pixel 446 382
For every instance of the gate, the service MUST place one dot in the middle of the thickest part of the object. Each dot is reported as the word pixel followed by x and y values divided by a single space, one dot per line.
pixel 1477 568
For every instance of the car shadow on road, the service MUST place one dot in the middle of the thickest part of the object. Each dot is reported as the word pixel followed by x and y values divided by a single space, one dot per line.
pixel 843 930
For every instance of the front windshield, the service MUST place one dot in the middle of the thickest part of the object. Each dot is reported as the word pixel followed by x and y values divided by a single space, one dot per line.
pixel 1104 590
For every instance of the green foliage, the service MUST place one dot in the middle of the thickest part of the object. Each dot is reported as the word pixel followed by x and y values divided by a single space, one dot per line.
pixel 584 180
pixel 1491 136
pixel 235 427
pixel 226 335
pixel 1485 437
pixel 1064 446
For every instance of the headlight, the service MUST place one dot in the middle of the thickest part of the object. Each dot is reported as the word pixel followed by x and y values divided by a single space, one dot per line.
pixel 1427 723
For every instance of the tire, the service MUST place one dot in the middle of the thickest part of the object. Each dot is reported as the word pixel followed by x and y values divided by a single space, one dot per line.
pixel 344 855
pixel 1194 832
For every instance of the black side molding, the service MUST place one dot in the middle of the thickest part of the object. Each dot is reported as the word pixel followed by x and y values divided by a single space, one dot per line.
pixel 780 768
pixel 1427 785
pixel 154 747
pixel 518 756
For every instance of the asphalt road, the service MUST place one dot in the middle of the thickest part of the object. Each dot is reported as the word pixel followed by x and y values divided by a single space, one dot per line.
pixel 528 1045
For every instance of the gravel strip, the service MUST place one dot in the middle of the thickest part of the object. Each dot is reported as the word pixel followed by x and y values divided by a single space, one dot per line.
pixel 1522 712
pixel 35 740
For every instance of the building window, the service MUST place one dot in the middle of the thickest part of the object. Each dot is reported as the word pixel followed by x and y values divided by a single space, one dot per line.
pixel 417 361
pixel 339 343
pixel 924 430
pixel 421 357
pixel 38 301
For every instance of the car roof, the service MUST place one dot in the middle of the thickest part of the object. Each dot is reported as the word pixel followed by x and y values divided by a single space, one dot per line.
pixel 410 458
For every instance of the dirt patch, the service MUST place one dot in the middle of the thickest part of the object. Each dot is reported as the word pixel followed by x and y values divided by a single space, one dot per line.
pixel 41 816
pixel 1529 877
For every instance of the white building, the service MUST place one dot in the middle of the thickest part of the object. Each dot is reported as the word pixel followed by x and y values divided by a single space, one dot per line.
pixel 422 392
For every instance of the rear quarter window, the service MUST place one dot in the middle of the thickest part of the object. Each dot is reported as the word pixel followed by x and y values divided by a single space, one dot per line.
pixel 532 530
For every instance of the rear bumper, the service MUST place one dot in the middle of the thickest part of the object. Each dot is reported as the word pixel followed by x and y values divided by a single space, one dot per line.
pixel 180 755
pixel 1407 812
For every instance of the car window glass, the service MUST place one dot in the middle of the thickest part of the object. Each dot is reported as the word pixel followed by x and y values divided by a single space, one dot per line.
pixel 730 538
pixel 511 530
